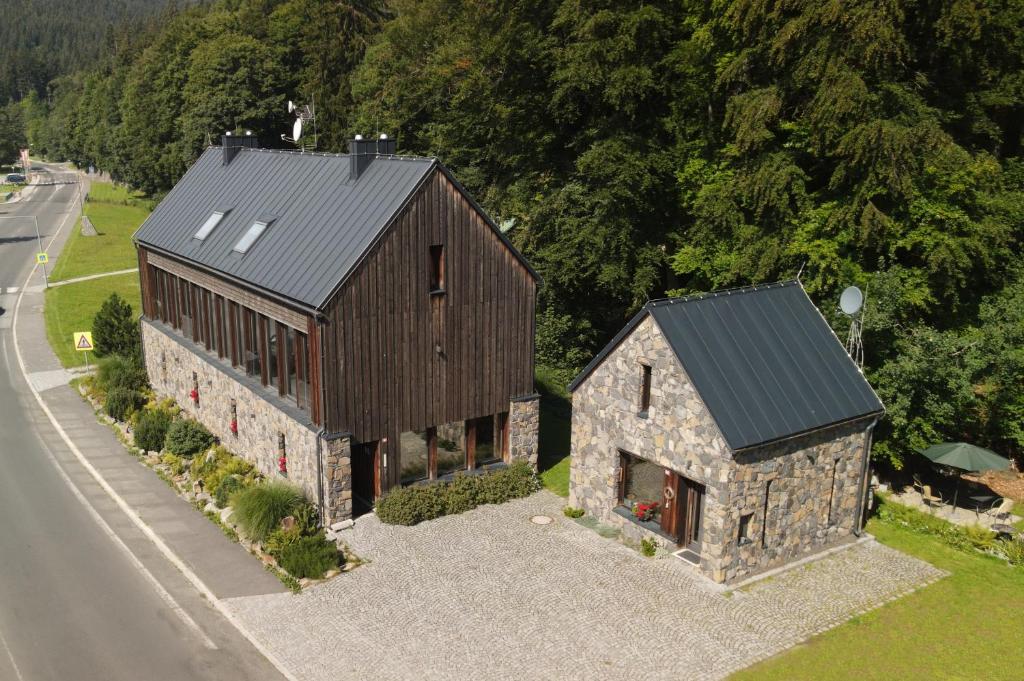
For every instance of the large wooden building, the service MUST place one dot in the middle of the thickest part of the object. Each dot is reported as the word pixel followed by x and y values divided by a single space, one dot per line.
pixel 355 322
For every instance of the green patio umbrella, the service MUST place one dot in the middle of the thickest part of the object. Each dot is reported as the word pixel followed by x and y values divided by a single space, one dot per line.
pixel 966 457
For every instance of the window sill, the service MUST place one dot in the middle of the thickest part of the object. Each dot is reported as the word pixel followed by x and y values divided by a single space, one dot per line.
pixel 745 541
pixel 437 292
pixel 649 525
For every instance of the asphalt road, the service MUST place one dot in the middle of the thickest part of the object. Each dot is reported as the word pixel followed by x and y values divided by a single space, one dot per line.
pixel 74 603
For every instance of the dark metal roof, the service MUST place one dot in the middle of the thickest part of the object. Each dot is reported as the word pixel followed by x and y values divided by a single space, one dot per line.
pixel 763 359
pixel 323 223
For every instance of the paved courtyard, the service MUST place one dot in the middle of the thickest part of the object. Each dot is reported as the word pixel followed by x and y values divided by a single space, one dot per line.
pixel 490 595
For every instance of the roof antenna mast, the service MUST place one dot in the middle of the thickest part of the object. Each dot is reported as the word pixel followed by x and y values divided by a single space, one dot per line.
pixel 305 114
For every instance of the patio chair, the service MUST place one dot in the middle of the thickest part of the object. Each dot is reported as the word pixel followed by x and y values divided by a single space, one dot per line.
pixel 929 499
pixel 1000 509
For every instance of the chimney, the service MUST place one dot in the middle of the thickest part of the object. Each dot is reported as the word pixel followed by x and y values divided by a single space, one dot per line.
pixel 362 152
pixel 231 144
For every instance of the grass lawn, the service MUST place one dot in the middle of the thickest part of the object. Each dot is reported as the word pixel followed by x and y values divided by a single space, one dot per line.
pixel 71 308
pixel 555 426
pixel 116 213
pixel 966 626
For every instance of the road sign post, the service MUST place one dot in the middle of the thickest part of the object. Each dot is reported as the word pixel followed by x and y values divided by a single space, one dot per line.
pixel 83 343
pixel 41 257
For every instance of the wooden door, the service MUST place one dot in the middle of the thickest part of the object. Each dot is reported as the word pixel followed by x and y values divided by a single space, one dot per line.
pixel 692 497
pixel 671 507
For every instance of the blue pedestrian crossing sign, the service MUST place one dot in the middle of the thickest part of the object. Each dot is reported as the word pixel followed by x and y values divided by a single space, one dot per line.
pixel 42 258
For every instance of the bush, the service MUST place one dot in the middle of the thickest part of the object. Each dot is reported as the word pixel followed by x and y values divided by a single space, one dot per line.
pixel 175 463
pixel 648 547
pixel 279 539
pixel 571 512
pixel 115 330
pixel 411 505
pixel 225 488
pixel 259 509
pixel 121 402
pixel 309 557
pixel 151 429
pixel 1012 550
pixel 186 437
pixel 119 371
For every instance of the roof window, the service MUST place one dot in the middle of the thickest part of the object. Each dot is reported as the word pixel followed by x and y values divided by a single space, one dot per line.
pixel 253 233
pixel 210 223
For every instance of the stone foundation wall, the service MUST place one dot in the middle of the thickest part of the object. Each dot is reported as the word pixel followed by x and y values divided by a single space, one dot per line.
pixel 337 483
pixel 170 362
pixel 524 429
pixel 807 507
pixel 677 433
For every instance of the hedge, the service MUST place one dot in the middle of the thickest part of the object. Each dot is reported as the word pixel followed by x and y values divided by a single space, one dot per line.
pixel 412 505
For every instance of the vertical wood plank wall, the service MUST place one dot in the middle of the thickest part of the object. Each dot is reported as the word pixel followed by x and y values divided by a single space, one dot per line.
pixel 383 370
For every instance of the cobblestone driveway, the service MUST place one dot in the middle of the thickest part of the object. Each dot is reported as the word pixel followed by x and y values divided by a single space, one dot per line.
pixel 489 595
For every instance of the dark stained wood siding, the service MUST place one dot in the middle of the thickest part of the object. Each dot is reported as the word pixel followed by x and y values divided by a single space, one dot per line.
pixel 383 372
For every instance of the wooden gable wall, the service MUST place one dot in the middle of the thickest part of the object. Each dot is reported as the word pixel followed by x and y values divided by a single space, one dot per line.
pixel 398 358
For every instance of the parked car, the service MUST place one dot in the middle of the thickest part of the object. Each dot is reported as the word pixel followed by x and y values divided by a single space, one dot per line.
pixel 15 178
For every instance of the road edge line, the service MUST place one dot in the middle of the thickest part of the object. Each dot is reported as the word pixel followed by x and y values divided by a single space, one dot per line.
pixel 172 557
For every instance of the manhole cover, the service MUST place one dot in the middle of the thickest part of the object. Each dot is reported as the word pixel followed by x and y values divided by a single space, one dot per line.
pixel 541 520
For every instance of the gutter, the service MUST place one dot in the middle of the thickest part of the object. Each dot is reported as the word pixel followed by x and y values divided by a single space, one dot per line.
pixel 862 491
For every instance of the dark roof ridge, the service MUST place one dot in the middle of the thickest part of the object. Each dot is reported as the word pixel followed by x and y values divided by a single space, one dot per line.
pixel 750 288
pixel 328 154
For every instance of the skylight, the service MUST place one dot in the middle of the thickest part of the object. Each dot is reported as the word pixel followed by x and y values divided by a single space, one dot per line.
pixel 249 238
pixel 210 223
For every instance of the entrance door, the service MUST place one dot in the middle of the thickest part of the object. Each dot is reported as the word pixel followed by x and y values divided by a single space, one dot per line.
pixel 682 504
pixel 365 477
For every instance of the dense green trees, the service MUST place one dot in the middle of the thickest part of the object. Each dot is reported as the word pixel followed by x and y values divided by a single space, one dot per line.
pixel 637 150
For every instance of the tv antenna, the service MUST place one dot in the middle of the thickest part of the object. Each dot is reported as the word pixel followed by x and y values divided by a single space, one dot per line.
pixel 851 302
pixel 305 115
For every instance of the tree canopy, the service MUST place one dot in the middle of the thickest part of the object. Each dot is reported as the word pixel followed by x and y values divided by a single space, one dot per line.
pixel 635 151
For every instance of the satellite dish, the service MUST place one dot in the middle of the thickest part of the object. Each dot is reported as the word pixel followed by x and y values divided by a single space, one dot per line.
pixel 851 300
pixel 291 106
pixel 297 129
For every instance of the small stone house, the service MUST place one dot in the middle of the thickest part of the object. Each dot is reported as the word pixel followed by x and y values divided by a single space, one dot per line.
pixel 353 322
pixel 731 427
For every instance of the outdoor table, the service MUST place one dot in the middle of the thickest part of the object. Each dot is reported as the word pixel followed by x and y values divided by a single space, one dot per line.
pixel 979 501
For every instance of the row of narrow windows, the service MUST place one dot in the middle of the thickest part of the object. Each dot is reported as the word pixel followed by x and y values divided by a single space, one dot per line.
pixel 267 350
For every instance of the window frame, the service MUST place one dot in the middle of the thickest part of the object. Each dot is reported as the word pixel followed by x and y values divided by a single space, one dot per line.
pixel 209 225
pixel 646 378
pixel 256 230
pixel 437 283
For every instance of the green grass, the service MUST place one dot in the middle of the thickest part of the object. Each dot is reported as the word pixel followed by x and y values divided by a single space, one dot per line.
pixel 71 308
pixel 555 428
pixel 116 213
pixel 966 626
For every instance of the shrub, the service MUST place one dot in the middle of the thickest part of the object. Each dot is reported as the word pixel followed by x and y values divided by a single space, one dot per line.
pixel 121 402
pixel 259 509
pixel 571 512
pixel 115 330
pixel 309 557
pixel 648 547
pixel 119 371
pixel 206 466
pixel 278 539
pixel 151 429
pixel 411 505
pixel 1012 550
pixel 234 466
pixel 186 437
pixel 175 463
pixel 225 488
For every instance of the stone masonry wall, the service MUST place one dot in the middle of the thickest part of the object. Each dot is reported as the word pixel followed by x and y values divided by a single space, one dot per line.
pixel 524 429
pixel 337 483
pixel 170 362
pixel 805 508
pixel 677 433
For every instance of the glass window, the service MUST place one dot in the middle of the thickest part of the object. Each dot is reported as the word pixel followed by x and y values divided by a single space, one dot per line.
pixel 208 226
pixel 485 451
pixel 235 320
pixel 251 353
pixel 185 306
pixel 271 331
pixel 645 389
pixel 642 487
pixel 301 370
pixel 289 378
pixel 451 448
pixel 249 238
pixel 414 456
pixel 437 268
pixel 206 327
pixel 219 328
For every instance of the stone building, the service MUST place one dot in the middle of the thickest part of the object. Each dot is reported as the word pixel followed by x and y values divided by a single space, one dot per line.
pixel 732 427
pixel 353 322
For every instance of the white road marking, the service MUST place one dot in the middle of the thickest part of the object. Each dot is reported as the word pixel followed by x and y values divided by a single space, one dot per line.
pixel 10 656
pixel 191 576
pixel 93 276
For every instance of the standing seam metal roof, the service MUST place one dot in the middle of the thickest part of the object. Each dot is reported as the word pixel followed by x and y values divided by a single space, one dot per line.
pixel 764 361
pixel 323 222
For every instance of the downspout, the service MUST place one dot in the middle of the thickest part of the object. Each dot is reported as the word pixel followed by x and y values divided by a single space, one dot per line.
pixel 862 491
pixel 323 426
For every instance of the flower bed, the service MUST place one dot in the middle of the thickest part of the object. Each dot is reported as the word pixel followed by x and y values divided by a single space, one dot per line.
pixel 229 491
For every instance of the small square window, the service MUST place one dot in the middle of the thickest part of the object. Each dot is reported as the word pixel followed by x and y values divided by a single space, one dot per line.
pixel 436 268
